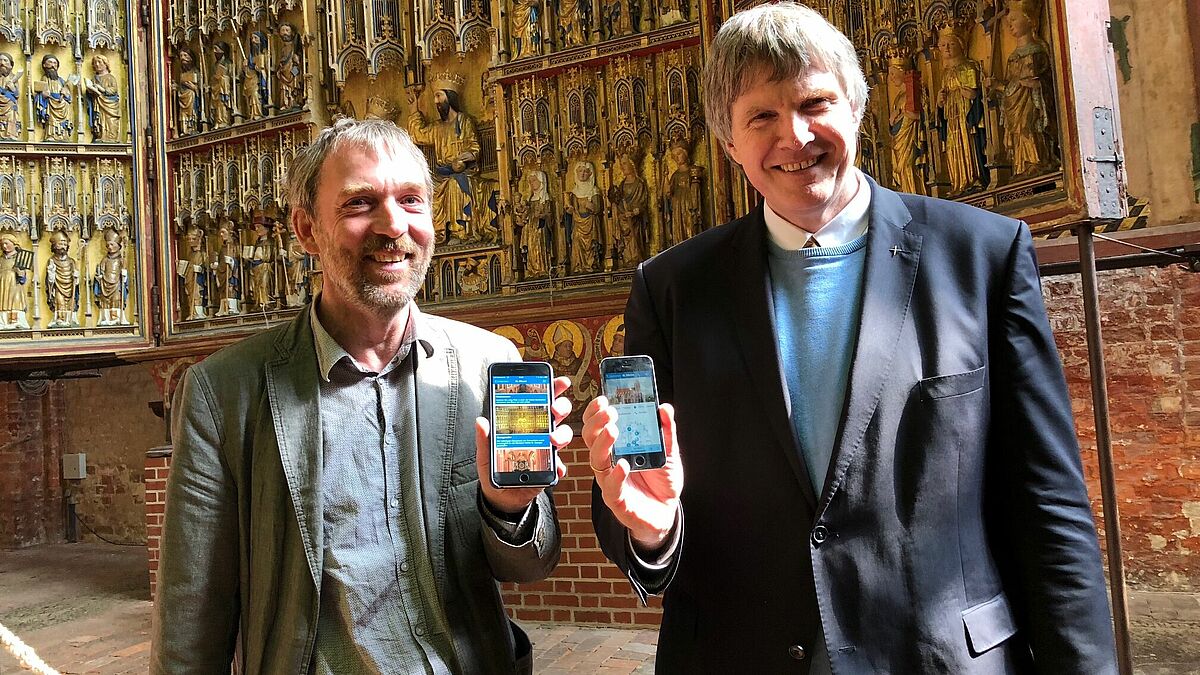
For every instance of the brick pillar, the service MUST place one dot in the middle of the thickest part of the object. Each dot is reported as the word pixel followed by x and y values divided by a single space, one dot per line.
pixel 158 465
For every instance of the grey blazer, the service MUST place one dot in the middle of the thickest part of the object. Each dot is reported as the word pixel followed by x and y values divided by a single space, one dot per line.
pixel 241 555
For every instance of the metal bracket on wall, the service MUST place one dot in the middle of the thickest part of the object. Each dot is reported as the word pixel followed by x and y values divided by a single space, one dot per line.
pixel 1108 164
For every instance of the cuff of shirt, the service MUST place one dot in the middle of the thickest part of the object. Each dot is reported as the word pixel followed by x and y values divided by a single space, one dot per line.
pixel 515 529
pixel 652 566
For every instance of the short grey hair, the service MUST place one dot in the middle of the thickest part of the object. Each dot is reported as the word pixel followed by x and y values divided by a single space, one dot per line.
pixel 781 40
pixel 382 136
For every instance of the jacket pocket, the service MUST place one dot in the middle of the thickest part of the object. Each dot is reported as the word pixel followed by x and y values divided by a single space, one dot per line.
pixel 989 624
pixel 957 384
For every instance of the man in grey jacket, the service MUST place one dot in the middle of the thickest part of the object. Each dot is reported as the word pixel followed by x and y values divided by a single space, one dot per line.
pixel 325 513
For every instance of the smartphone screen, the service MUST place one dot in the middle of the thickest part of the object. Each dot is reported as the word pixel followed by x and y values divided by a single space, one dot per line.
pixel 629 386
pixel 520 395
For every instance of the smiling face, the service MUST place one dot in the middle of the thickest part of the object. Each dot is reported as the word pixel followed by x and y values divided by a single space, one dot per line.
pixel 372 229
pixel 796 139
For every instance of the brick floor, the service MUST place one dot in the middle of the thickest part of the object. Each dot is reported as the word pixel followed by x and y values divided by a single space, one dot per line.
pixel 84 609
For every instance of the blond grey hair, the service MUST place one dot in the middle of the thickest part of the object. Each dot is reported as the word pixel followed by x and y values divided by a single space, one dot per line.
pixel 382 136
pixel 781 41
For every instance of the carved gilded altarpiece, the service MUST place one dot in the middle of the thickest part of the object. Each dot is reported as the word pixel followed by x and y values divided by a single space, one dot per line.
pixel 567 138
pixel 74 247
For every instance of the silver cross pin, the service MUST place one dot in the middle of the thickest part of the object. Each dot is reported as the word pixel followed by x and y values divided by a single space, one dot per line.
pixel 895 250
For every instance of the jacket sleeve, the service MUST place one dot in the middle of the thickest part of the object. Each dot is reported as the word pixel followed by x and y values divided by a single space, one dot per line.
pixel 196 609
pixel 1037 488
pixel 534 559
pixel 643 335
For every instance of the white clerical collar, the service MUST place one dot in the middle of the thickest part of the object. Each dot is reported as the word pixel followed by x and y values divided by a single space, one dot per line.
pixel 849 224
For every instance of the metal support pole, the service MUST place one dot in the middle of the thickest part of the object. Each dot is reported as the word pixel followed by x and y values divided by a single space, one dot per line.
pixel 1108 485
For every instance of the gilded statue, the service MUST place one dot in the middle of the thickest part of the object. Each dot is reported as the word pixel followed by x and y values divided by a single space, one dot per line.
pixel 534 212
pixel 193 275
pixel 584 204
pixel 52 102
pixel 254 77
pixel 13 276
pixel 295 264
pixel 62 283
pixel 220 101
pixel 682 195
pixel 671 12
pixel 905 124
pixel 103 102
pixel 226 266
pixel 1026 110
pixel 961 114
pixel 621 16
pixel 261 265
pixel 10 92
pixel 573 22
pixel 526 28
pixel 456 150
pixel 110 285
pixel 187 93
pixel 289 69
pixel 629 198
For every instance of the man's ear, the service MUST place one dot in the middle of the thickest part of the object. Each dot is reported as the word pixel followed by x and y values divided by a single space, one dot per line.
pixel 302 225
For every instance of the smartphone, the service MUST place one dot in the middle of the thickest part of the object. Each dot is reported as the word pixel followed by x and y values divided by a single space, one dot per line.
pixel 519 410
pixel 628 383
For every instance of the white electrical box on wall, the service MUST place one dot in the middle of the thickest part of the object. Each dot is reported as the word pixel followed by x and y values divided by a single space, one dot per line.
pixel 75 466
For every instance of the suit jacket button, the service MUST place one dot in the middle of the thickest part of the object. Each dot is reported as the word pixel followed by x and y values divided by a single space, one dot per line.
pixel 797 652
pixel 819 534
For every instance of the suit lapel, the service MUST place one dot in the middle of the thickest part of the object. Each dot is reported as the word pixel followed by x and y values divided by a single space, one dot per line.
pixel 750 305
pixel 437 412
pixel 294 394
pixel 893 254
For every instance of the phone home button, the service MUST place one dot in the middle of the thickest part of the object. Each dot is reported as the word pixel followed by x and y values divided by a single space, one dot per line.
pixel 524 478
pixel 640 460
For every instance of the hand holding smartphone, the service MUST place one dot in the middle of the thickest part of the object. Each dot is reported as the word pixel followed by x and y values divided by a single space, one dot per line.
pixel 629 385
pixel 520 396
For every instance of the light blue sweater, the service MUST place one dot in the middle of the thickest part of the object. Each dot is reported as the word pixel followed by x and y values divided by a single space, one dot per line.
pixel 817 295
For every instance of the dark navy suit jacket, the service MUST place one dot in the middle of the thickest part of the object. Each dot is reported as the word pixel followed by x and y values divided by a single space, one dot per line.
pixel 953 533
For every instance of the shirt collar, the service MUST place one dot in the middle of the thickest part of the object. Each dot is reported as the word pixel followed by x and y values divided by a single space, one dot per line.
pixel 849 224
pixel 329 352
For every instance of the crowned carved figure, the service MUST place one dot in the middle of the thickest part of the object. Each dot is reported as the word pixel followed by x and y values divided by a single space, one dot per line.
pixel 682 194
pixel 905 124
pixel 1026 104
pixel 961 112
pixel 455 143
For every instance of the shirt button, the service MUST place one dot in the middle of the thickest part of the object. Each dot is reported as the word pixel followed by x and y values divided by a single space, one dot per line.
pixel 419 630
pixel 395 502
pixel 819 534
pixel 403 567
pixel 796 652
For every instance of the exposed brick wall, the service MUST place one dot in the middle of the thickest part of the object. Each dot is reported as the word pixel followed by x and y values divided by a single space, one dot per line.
pixel 1151 325
pixel 32 439
pixel 1151 321
pixel 112 423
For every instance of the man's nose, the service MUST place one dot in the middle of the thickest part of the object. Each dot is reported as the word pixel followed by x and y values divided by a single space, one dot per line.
pixel 393 219
pixel 798 133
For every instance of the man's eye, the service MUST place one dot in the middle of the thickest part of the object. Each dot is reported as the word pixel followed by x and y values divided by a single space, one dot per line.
pixel 412 200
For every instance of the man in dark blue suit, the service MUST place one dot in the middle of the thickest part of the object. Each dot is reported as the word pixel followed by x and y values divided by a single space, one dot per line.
pixel 882 470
